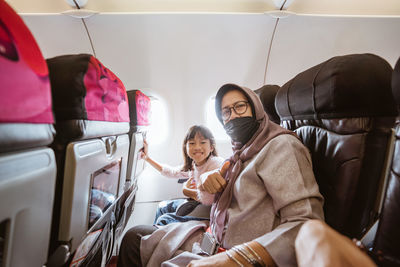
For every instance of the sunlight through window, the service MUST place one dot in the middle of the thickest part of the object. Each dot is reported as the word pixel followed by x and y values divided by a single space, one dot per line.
pixel 158 130
pixel 213 123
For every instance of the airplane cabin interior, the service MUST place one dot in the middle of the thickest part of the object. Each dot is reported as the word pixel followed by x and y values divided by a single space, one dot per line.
pixel 85 83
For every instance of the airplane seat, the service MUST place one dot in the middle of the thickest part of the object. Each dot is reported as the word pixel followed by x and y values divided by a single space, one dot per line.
pixel 343 111
pixel 91 148
pixel 139 114
pixel 387 239
pixel 267 94
pixel 27 164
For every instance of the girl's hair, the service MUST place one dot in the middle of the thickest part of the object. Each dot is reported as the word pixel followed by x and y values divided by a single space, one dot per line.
pixel 206 133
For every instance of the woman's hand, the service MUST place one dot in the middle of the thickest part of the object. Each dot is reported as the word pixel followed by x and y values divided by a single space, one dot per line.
pixel 213 182
pixel 218 260
pixel 253 248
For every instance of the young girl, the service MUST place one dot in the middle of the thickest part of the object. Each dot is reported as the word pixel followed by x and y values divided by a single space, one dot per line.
pixel 199 156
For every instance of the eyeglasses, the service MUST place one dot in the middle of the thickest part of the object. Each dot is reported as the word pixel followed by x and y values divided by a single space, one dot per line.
pixel 239 107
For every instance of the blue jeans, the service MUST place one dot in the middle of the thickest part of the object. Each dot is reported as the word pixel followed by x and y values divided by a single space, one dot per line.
pixel 166 213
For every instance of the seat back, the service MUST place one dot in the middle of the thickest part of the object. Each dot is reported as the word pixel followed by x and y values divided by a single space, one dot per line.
pixel 267 94
pixel 343 111
pixel 387 239
pixel 91 145
pixel 27 166
pixel 139 112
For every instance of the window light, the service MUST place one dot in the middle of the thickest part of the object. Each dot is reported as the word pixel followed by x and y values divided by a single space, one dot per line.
pixel 158 130
pixel 213 123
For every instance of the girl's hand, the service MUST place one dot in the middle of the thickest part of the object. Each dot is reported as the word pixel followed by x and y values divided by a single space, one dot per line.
pixel 191 184
pixel 213 182
pixel 189 189
pixel 143 154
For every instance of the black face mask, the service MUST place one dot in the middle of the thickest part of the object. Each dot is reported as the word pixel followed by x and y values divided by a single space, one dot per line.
pixel 241 129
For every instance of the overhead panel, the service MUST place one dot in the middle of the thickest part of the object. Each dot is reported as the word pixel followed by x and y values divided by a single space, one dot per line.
pixel 339 7
pixel 303 41
pixel 58 34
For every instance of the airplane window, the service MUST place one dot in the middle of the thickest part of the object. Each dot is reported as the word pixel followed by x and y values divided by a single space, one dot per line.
pixel 213 123
pixel 158 130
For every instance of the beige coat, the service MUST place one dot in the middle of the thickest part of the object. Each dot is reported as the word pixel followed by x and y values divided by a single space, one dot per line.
pixel 273 195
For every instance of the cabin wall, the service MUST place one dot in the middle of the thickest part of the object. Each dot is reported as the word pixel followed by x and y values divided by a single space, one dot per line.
pixel 303 41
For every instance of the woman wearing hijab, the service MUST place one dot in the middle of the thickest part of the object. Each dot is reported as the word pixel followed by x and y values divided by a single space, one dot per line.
pixel 264 193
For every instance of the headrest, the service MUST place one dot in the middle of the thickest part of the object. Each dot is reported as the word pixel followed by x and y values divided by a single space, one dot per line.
pixel 26 116
pixel 357 85
pixel 267 95
pixel 84 89
pixel 139 109
pixel 396 83
pixel 25 95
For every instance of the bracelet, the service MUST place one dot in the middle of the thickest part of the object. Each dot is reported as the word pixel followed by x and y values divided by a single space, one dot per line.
pixel 238 251
pixel 255 254
pixel 248 256
pixel 233 258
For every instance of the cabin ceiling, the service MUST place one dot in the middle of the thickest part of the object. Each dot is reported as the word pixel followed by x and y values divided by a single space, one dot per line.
pixel 203 51
pixel 336 7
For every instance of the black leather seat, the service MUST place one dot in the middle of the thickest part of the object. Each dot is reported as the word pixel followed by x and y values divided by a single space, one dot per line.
pixel 267 94
pixel 343 110
pixel 387 239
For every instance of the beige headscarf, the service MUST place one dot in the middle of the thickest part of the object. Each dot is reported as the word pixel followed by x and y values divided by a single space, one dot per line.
pixel 241 153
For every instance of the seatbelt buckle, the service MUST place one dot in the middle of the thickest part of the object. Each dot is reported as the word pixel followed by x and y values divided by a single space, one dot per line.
pixel 209 244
